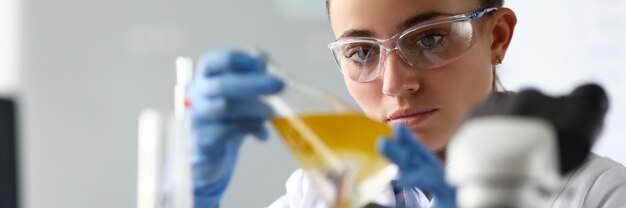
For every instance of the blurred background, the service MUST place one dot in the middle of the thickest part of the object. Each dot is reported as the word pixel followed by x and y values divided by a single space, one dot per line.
pixel 82 70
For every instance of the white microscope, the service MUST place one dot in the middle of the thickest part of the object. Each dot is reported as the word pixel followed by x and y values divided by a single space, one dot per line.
pixel 513 149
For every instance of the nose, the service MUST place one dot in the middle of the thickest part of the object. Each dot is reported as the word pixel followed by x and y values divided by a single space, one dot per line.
pixel 399 78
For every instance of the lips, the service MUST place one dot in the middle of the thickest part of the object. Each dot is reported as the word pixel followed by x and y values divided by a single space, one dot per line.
pixel 410 117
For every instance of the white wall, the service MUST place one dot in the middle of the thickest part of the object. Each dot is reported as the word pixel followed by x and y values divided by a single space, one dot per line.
pixel 90 66
pixel 560 44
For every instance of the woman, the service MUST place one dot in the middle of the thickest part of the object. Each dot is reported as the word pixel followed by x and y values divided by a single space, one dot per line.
pixel 418 64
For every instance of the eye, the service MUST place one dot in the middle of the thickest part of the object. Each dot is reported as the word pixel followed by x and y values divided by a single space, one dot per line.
pixel 429 41
pixel 360 54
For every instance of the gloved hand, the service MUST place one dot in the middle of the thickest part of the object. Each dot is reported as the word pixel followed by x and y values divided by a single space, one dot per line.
pixel 225 108
pixel 419 167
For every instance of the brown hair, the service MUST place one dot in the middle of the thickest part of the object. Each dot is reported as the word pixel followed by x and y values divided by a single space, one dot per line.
pixel 491 3
pixel 483 3
pixel 486 4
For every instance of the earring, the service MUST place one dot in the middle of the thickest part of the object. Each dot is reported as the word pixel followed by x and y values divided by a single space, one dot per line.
pixel 498 60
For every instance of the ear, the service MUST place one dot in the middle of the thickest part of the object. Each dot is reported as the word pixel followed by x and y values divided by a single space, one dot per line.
pixel 501 27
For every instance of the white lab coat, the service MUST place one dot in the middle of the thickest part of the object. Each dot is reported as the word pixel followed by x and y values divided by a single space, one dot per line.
pixel 301 194
pixel 599 183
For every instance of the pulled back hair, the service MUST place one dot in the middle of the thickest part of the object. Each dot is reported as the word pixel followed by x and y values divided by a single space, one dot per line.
pixel 495 84
pixel 488 3
pixel 483 4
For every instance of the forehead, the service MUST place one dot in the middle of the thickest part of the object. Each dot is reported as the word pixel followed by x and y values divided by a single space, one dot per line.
pixel 383 18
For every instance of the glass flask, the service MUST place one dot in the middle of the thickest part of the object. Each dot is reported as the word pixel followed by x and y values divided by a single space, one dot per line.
pixel 334 144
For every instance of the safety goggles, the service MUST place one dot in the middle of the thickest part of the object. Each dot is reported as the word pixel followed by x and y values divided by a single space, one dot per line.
pixel 427 45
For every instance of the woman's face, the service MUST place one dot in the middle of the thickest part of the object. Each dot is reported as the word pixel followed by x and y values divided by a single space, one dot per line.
pixel 432 102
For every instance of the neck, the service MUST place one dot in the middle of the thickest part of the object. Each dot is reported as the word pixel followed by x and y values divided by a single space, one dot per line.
pixel 441 153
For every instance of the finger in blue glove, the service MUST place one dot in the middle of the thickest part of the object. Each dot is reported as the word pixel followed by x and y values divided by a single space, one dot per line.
pixel 419 167
pixel 225 108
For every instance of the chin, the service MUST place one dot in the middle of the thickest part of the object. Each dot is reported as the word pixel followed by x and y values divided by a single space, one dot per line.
pixel 433 141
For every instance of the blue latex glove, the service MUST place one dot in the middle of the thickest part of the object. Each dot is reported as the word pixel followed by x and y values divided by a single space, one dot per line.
pixel 419 167
pixel 225 108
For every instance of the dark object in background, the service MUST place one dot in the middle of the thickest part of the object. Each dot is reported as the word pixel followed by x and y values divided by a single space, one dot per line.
pixel 8 155
pixel 577 117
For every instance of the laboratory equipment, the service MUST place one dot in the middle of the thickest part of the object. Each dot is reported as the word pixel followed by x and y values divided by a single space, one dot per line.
pixel 513 149
pixel 333 144
pixel 164 166
pixel 8 154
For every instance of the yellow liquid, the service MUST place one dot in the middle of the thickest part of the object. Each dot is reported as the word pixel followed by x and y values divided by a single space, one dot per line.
pixel 350 137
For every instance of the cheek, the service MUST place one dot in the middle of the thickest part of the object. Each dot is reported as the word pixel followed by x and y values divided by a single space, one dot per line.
pixel 368 96
pixel 467 82
pixel 457 88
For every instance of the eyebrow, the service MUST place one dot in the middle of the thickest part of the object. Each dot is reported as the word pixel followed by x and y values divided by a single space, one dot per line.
pixel 420 18
pixel 406 24
pixel 356 33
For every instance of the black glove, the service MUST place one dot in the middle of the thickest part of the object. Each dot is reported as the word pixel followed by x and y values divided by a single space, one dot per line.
pixel 577 117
